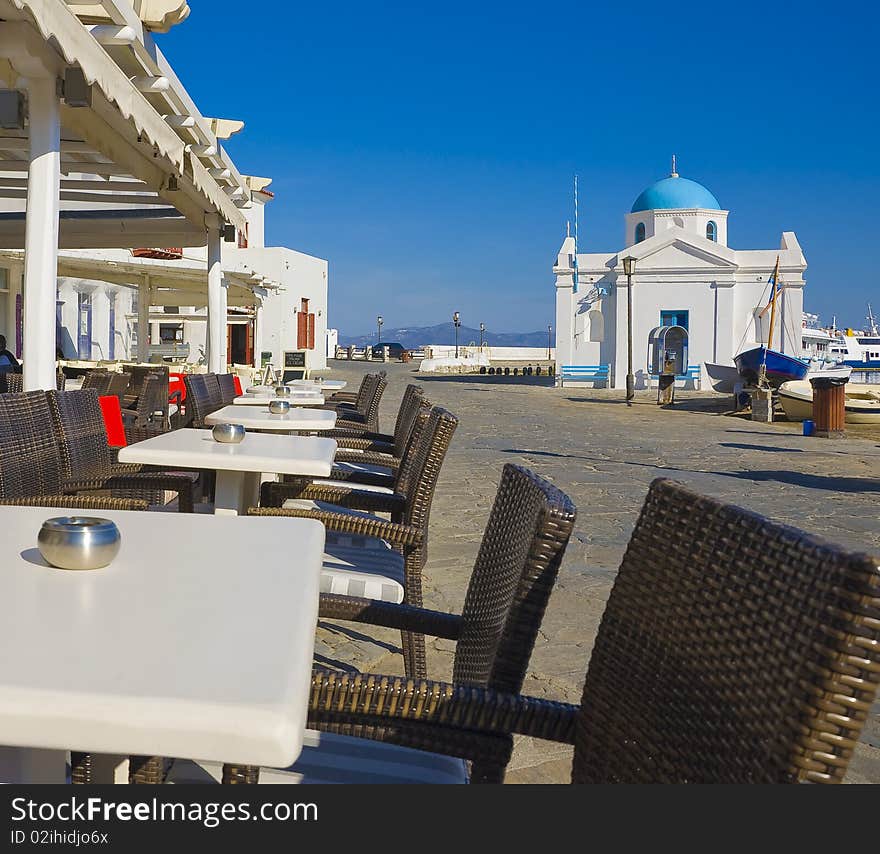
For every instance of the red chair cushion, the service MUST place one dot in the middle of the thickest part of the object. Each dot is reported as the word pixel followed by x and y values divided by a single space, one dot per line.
pixel 112 413
pixel 237 383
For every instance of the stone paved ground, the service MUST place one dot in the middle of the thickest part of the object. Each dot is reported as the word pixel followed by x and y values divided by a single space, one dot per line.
pixel 604 455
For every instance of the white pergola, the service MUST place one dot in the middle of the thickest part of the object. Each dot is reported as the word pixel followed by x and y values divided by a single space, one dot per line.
pixel 101 146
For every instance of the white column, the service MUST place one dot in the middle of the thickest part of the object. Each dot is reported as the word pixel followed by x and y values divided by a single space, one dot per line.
pixel 258 334
pixel 41 235
pixel 216 343
pixel 224 336
pixel 145 296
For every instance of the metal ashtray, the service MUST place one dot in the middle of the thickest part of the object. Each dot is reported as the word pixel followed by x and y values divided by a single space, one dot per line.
pixel 282 391
pixel 279 407
pixel 78 542
pixel 228 434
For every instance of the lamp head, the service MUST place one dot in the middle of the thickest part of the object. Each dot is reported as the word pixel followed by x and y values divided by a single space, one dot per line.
pixel 629 265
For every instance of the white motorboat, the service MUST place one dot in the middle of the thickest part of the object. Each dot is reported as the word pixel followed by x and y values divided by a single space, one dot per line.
pixel 862 402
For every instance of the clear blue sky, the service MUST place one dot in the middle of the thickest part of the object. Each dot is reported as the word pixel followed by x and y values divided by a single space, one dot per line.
pixel 428 154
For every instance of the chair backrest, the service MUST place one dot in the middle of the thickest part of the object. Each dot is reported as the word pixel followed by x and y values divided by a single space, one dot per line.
pixel 417 477
pixel 732 649
pixel 60 380
pixel 215 393
pixel 14 383
pixel 79 428
pixel 227 388
pixel 198 401
pixel 153 398
pixel 516 567
pixel 136 374
pixel 371 412
pixel 366 391
pixel 406 418
pixel 98 380
pixel 30 460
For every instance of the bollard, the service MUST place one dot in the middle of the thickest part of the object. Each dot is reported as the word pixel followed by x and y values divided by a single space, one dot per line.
pixel 829 406
pixel 762 405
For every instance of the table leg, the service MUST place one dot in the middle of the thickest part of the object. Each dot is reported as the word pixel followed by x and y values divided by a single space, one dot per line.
pixel 235 492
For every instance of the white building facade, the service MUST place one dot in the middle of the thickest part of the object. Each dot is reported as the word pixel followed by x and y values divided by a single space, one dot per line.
pixel 685 274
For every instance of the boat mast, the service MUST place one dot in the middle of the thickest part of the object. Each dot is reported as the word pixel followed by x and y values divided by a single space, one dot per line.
pixel 872 322
pixel 762 373
pixel 773 296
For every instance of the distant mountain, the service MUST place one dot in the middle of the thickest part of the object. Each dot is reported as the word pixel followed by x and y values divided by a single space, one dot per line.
pixel 444 333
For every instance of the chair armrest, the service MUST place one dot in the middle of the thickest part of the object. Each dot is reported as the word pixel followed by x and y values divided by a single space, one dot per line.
pixel 274 494
pixel 77 502
pixel 408 618
pixel 361 698
pixel 394 533
pixel 356 478
pixel 351 441
pixel 343 397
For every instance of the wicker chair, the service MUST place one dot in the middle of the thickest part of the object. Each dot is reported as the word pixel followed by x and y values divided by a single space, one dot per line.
pixel 198 399
pixel 361 451
pixel 215 392
pixel 514 573
pixel 86 460
pixel 732 650
pixel 364 537
pixel 364 412
pixel 149 416
pixel 227 388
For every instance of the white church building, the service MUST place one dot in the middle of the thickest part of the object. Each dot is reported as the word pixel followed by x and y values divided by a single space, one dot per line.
pixel 685 274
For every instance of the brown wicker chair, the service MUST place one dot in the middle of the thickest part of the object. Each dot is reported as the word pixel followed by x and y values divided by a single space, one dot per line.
pixel 215 392
pixel 199 404
pixel 409 506
pixel 732 650
pixel 362 451
pixel 364 412
pixel 514 573
pixel 149 416
pixel 86 460
pixel 227 388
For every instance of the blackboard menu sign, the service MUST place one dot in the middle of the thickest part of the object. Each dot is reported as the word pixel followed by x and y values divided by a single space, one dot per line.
pixel 294 359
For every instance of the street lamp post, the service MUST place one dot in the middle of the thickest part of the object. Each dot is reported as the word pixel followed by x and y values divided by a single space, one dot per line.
pixel 482 334
pixel 456 319
pixel 379 322
pixel 629 266
pixel 549 340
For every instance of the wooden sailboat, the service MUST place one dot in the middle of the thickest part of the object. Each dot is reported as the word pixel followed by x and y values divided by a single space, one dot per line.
pixel 763 366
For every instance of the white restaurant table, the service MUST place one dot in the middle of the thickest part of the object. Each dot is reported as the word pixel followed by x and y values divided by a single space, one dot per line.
pixel 254 418
pixel 196 641
pixel 325 385
pixel 239 467
pixel 311 399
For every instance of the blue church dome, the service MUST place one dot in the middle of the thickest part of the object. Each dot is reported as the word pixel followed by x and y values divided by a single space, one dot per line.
pixel 676 193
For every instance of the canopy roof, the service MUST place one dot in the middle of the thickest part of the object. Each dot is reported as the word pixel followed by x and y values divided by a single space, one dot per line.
pixel 139 161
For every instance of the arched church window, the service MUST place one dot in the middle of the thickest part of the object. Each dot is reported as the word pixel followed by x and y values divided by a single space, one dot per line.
pixel 640 232
pixel 712 231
